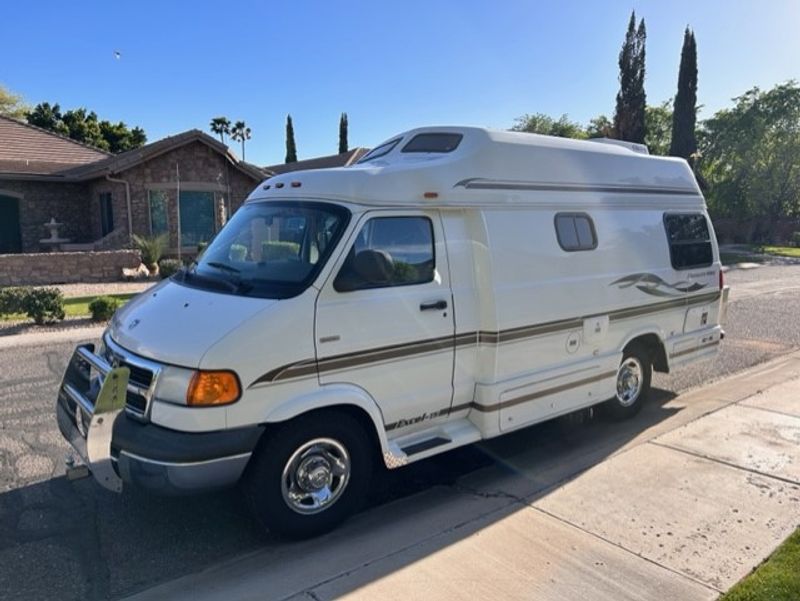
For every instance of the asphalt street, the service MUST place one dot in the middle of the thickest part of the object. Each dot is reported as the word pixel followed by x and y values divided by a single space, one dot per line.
pixel 73 540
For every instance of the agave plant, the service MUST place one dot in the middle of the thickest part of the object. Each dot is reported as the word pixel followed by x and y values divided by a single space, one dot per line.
pixel 152 249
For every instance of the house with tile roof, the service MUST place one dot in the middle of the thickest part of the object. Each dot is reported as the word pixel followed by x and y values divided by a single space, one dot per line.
pixel 344 159
pixel 184 186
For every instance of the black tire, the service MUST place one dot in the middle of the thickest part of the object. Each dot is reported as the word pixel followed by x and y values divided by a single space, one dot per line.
pixel 619 408
pixel 263 482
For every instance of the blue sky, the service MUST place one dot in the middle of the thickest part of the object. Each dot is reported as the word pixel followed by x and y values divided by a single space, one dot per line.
pixel 391 65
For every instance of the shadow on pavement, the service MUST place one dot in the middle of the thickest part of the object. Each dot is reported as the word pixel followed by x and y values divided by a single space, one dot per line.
pixel 74 540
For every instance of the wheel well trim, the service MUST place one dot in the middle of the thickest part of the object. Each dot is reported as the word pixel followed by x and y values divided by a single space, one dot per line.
pixel 331 396
pixel 661 359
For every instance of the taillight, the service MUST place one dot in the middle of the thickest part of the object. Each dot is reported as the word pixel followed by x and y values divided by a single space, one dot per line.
pixel 721 279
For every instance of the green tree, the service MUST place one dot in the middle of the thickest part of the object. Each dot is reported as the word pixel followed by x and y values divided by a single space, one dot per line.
pixel 600 127
pixel 658 125
pixel 84 126
pixel 48 117
pixel 749 155
pixel 629 116
pixel 240 133
pixel 291 148
pixel 12 105
pixel 343 146
pixel 540 123
pixel 221 126
pixel 684 116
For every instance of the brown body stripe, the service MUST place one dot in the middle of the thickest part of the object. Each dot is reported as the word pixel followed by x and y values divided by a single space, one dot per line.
pixel 310 367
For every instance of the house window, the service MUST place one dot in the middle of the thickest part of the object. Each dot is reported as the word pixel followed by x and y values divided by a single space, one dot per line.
pixel 106 213
pixel 575 231
pixel 389 251
pixel 197 217
pixel 158 201
pixel 689 240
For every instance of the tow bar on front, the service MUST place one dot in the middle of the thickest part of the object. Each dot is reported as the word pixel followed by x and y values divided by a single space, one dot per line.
pixel 86 415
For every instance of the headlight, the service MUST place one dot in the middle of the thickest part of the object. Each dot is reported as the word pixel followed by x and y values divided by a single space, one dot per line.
pixel 172 384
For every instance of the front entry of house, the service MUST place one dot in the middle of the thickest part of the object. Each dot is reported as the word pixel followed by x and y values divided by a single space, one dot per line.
pixel 10 238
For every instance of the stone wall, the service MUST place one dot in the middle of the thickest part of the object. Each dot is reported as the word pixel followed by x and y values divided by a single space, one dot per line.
pixel 43 269
pixel 40 201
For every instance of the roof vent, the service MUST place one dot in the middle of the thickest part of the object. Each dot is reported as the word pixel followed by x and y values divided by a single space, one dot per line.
pixel 633 146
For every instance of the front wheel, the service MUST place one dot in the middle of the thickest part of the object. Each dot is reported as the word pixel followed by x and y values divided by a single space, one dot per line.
pixel 633 384
pixel 309 475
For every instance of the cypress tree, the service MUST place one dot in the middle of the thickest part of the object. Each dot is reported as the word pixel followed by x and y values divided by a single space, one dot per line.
pixel 684 114
pixel 343 147
pixel 291 148
pixel 629 115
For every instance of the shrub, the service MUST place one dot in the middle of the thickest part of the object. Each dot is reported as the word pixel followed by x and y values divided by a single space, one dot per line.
pixel 11 300
pixel 44 305
pixel 201 248
pixel 151 247
pixel 169 267
pixel 238 252
pixel 796 239
pixel 103 307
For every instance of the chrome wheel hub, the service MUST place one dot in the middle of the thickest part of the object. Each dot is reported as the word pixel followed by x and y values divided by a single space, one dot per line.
pixel 630 379
pixel 315 476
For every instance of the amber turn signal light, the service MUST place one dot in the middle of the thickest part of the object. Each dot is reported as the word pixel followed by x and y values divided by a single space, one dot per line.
pixel 213 388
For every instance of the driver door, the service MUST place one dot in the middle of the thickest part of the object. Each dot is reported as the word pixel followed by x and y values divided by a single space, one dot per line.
pixel 384 319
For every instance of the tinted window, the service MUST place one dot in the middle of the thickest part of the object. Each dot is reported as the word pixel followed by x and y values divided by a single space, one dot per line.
pixel 689 240
pixel 389 251
pixel 433 143
pixel 575 231
pixel 269 249
pixel 380 151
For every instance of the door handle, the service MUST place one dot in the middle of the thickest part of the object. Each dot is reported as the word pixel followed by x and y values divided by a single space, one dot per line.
pixel 440 305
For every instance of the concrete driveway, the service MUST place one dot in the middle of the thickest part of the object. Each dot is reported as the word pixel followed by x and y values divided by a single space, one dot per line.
pixel 680 509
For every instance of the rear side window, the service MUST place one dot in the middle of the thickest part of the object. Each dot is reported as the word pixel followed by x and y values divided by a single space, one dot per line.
pixel 575 231
pixel 389 251
pixel 689 240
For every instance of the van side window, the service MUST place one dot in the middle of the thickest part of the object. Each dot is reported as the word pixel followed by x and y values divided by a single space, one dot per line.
pixel 575 231
pixel 389 251
pixel 689 240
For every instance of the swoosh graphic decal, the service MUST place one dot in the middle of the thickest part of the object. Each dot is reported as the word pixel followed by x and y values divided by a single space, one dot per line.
pixel 651 284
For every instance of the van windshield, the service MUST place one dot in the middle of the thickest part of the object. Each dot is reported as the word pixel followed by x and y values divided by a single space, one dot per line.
pixel 269 249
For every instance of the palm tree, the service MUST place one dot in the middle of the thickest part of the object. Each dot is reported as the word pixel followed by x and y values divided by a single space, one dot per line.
pixel 241 133
pixel 221 126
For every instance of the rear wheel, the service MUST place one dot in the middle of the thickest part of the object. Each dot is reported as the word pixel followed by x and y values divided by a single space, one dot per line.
pixel 309 475
pixel 632 384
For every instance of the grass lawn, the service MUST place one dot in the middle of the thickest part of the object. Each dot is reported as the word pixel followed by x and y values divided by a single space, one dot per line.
pixel 731 258
pixel 73 307
pixel 782 251
pixel 79 306
pixel 777 579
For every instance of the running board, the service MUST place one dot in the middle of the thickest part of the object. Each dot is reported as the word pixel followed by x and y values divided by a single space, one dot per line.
pixel 431 441
pixel 424 445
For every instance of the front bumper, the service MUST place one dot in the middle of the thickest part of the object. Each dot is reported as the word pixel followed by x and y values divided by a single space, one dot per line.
pixel 118 449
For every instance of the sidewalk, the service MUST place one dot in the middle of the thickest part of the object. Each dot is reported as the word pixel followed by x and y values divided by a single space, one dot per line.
pixel 681 507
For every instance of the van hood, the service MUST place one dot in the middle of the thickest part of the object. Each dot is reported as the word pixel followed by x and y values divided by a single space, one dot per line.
pixel 176 324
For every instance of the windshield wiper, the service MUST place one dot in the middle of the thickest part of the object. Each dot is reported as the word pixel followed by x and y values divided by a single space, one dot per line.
pixel 223 267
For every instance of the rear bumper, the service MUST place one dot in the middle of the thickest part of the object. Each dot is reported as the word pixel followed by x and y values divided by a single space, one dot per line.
pixel 118 449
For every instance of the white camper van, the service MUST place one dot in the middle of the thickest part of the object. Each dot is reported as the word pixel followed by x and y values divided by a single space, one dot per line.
pixel 454 285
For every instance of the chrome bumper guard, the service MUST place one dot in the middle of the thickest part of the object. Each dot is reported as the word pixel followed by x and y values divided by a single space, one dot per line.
pixel 87 407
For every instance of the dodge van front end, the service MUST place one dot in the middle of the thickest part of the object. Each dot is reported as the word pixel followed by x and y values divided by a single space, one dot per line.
pixel 103 410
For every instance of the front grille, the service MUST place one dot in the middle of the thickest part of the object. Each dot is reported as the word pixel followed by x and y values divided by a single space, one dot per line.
pixel 142 375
